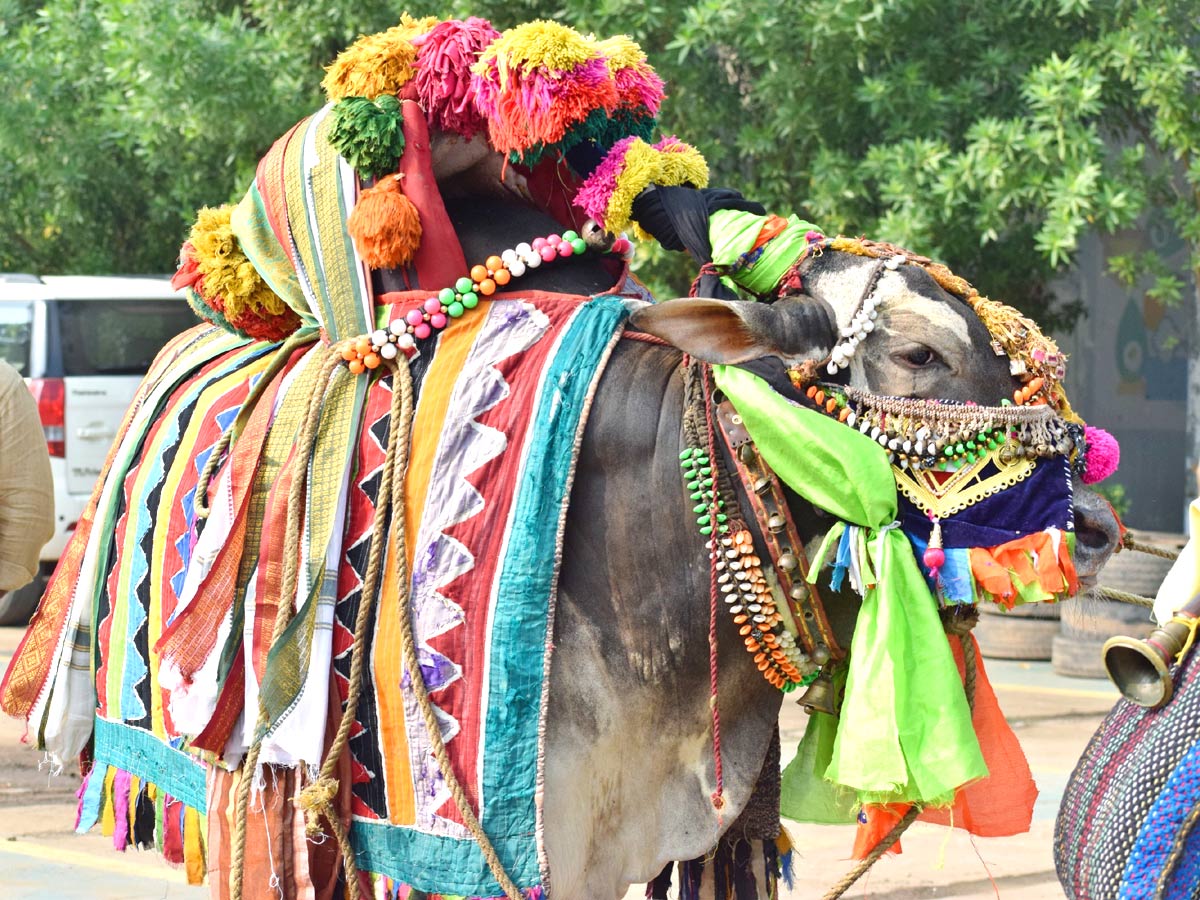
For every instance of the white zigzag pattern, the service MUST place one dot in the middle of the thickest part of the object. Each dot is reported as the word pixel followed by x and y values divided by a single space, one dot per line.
pixel 465 446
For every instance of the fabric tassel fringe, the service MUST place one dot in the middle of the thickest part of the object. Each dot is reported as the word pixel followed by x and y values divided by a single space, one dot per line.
pixel 628 169
pixel 137 813
pixel 385 225
pixel 369 134
pixel 740 870
pixel 377 64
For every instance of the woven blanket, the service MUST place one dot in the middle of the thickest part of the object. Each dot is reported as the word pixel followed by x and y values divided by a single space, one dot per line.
pixel 153 650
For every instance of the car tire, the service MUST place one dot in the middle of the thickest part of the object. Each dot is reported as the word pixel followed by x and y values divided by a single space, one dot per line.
pixel 17 607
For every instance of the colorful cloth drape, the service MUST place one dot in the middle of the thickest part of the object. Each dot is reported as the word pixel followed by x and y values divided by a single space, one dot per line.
pixel 154 643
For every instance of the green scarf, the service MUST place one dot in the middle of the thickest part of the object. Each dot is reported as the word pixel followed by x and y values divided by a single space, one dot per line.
pixel 904 733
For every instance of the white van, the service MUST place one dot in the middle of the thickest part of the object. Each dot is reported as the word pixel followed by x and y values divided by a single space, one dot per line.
pixel 83 343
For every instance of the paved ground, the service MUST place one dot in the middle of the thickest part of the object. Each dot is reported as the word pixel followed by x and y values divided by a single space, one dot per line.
pixel 1054 717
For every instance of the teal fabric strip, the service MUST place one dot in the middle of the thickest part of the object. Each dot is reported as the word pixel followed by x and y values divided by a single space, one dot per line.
pixel 93 796
pixel 448 864
pixel 140 753
pixel 528 578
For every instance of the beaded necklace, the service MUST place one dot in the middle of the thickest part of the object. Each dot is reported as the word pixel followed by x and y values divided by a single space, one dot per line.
pixel 369 351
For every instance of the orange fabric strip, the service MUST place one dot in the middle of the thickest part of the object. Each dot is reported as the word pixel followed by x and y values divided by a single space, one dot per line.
pixel 772 227
pixel 436 389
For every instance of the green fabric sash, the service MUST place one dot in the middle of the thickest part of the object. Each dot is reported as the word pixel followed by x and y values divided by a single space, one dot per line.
pixel 905 731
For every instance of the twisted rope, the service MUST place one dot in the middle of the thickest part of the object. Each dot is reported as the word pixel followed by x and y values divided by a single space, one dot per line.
pixel 1126 597
pixel 1129 542
pixel 317 799
pixel 961 629
pixel 417 679
pixel 283 615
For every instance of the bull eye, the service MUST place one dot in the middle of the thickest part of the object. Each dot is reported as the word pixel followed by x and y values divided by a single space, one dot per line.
pixel 918 357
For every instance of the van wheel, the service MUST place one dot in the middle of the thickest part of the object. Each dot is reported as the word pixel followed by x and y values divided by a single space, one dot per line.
pixel 17 607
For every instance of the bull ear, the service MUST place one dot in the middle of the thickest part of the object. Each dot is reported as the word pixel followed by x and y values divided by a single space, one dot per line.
pixel 731 332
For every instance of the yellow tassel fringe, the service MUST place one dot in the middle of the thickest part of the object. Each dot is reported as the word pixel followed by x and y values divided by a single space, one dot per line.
pixel 227 272
pixel 377 64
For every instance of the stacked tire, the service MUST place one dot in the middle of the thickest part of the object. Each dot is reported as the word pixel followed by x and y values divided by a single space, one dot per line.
pixel 1088 621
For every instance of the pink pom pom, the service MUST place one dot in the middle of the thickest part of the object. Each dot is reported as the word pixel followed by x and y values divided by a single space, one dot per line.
pixel 1103 455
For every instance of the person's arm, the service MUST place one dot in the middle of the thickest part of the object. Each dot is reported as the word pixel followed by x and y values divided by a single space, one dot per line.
pixel 26 484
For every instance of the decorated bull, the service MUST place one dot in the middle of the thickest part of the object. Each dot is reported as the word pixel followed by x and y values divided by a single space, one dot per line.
pixel 441 541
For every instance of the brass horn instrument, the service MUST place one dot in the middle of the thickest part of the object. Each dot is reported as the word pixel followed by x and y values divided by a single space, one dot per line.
pixel 1141 670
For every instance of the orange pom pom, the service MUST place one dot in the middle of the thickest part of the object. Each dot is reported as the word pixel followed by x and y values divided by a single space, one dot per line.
pixel 385 226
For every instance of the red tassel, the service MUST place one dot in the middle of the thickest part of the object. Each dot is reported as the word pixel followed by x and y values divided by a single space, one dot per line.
pixel 875 822
pixel 385 225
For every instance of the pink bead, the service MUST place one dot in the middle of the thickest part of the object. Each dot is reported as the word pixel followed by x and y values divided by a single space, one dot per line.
pixel 935 557
pixel 432 305
pixel 414 317
pixel 621 245
pixel 438 320
pixel 553 239
pixel 538 243
pixel 565 249
pixel 422 331
pixel 548 253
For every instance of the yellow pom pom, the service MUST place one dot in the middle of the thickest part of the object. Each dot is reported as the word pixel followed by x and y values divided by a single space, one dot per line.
pixel 227 273
pixel 622 52
pixel 377 64
pixel 548 45
pixel 385 226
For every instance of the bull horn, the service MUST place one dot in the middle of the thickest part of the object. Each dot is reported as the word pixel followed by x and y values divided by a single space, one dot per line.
pixel 1141 670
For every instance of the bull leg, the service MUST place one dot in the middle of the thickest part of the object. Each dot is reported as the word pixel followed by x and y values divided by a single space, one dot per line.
pixel 746 863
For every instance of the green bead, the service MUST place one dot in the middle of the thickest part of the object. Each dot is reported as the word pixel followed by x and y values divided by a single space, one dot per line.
pixel 722 518
pixel 991 444
pixel 579 245
pixel 971 445
pixel 704 520
pixel 706 471
pixel 706 530
pixel 686 454
pixel 959 449
pixel 470 300
pixel 724 529
pixel 970 457
pixel 693 485
pixel 463 285
pixel 947 451
pixel 697 495
pixel 982 436
pixel 454 310
pixel 446 296
pixel 702 458
pixel 570 236
pixel 699 507
pixel 708 482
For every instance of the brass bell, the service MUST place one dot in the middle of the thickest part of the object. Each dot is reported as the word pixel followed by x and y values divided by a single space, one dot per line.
pixel 746 453
pixel 820 696
pixel 776 522
pixel 788 561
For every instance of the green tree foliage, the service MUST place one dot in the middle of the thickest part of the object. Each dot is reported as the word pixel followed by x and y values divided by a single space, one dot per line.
pixel 990 135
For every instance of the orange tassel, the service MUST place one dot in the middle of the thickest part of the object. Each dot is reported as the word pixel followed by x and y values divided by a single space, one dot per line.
pixel 385 225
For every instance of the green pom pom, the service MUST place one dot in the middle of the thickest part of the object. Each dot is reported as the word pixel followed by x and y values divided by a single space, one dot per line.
pixel 368 134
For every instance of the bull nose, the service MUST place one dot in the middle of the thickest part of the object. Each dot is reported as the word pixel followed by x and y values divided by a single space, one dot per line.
pixel 1097 532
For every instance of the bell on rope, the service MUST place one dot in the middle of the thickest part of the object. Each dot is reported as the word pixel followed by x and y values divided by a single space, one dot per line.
pixel 820 696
